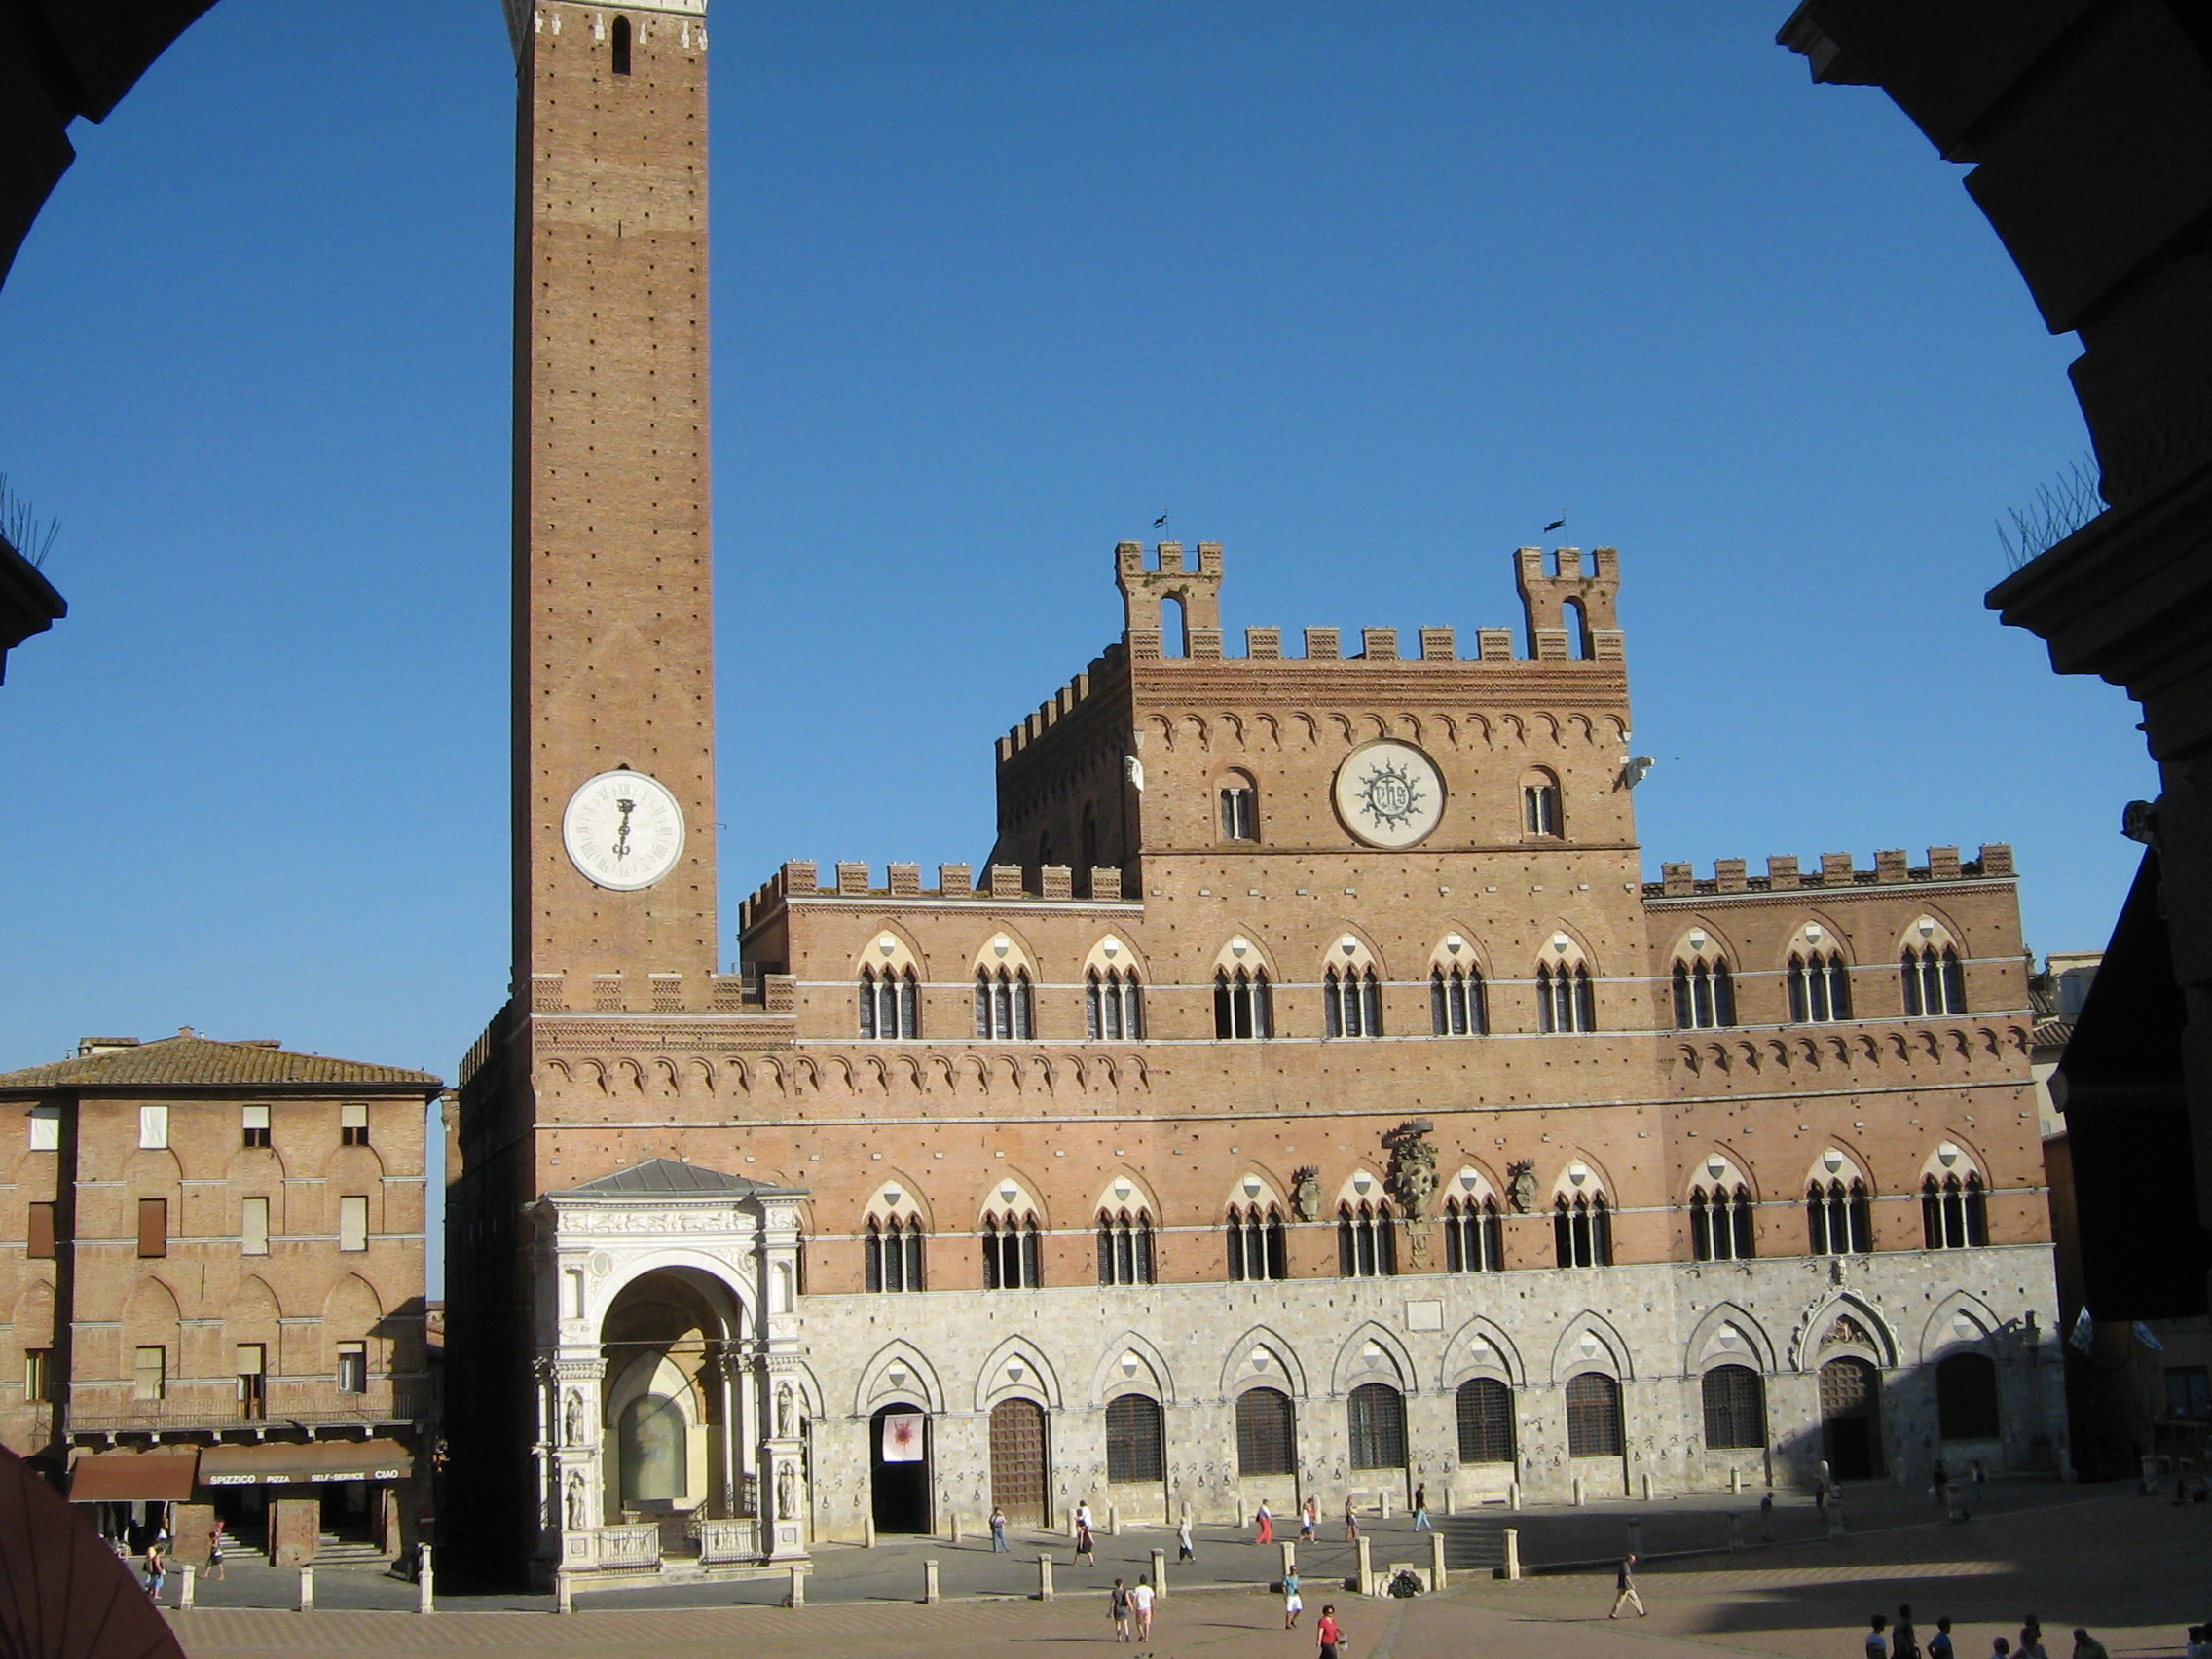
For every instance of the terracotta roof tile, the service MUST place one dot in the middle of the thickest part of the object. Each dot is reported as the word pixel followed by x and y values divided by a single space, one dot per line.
pixel 202 1060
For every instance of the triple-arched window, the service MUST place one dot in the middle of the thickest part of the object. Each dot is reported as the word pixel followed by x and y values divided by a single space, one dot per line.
pixel 1705 995
pixel 1720 1223
pixel 1367 1243
pixel 890 1004
pixel 1839 1219
pixel 1565 1001
pixel 1013 1252
pixel 1259 1245
pixel 1954 1213
pixel 1474 1235
pixel 1243 1003
pixel 1820 986
pixel 1005 1009
pixel 1113 1006
pixel 1935 980
pixel 1125 1247
pixel 893 1252
pixel 1352 1002
pixel 1457 1006
pixel 1582 1230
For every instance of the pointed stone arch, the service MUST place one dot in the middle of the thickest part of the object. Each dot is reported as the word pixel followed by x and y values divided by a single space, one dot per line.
pixel 1017 1368
pixel 1240 1366
pixel 1960 1322
pixel 1496 1355
pixel 1153 1375
pixel 909 1203
pixel 1591 1341
pixel 1817 1337
pixel 1373 1353
pixel 1708 1343
pixel 896 1371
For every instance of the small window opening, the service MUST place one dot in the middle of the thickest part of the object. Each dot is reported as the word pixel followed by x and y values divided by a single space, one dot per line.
pixel 621 46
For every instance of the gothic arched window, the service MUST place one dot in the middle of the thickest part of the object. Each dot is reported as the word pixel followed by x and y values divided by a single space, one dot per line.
pixel 1457 1007
pixel 1954 1214
pixel 1935 982
pixel 1243 1004
pixel 1352 1003
pixel 1705 995
pixel 1722 1226
pixel 1113 1006
pixel 1239 809
pixel 1582 1232
pixel 1839 1219
pixel 1565 1001
pixel 893 1253
pixel 1003 1007
pixel 1820 987
pixel 1367 1243
pixel 1013 1254
pixel 1125 1247
pixel 1474 1235
pixel 1259 1245
pixel 890 1004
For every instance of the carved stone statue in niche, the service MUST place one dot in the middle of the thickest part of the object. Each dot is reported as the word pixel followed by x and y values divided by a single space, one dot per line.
pixel 1411 1175
pixel 1305 1193
pixel 572 1419
pixel 787 1417
pixel 786 1492
pixel 1521 1186
pixel 577 1521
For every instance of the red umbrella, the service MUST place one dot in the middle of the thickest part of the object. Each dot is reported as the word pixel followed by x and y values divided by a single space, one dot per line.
pixel 64 1595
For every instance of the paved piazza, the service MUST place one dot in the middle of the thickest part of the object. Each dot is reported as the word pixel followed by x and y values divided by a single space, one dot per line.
pixel 2131 1569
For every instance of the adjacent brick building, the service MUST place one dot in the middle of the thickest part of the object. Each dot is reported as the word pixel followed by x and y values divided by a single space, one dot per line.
pixel 211 1256
pixel 1309 1096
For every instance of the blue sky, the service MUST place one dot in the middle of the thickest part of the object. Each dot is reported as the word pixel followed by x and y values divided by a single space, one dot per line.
pixel 1368 293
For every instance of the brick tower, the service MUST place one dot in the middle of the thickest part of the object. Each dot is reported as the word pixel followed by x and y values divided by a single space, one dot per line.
pixel 613 691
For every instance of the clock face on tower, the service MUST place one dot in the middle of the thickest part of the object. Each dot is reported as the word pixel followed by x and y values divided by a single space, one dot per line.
pixel 623 830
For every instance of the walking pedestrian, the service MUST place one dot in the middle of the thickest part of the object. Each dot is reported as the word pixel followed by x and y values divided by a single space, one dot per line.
pixel 1118 1605
pixel 1939 1485
pixel 999 1545
pixel 1292 1603
pixel 1183 1550
pixel 1820 1492
pixel 1877 1644
pixel 1265 1518
pixel 1421 1509
pixel 1352 1521
pixel 1624 1589
pixel 1083 1517
pixel 1981 1480
pixel 2088 1647
pixel 1141 1599
pixel 157 1569
pixel 1766 1516
pixel 1085 1544
pixel 1309 1520
pixel 1328 1633
pixel 1904 1641
pixel 215 1553
pixel 1939 1644
pixel 2031 1639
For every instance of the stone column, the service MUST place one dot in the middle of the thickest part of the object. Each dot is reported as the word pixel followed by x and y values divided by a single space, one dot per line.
pixel 573 1391
pixel 780 1390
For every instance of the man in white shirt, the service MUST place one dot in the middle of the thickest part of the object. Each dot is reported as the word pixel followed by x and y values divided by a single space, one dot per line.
pixel 1141 1599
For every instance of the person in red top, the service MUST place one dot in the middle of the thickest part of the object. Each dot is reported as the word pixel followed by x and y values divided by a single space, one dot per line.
pixel 1328 1633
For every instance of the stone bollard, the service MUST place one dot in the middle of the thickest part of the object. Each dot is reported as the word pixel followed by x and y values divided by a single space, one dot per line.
pixel 1159 1573
pixel 1513 1494
pixel 1366 1566
pixel 1438 1577
pixel 868 1531
pixel 306 1589
pixel 1579 1491
pixel 1044 1578
pixel 1647 1488
pixel 186 1590
pixel 1512 1568
pixel 1382 1503
pixel 952 1532
pixel 564 1592
pixel 425 1584
pixel 1113 1520
pixel 1735 1479
pixel 930 1596
pixel 1450 1499
pixel 797 1596
pixel 1289 1557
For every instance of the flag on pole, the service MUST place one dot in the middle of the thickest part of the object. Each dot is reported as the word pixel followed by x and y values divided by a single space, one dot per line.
pixel 1160 523
pixel 1556 524
pixel 903 1437
pixel 2083 1332
pixel 2143 1335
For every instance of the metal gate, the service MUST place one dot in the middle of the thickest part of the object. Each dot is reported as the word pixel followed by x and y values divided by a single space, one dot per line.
pixel 1017 1461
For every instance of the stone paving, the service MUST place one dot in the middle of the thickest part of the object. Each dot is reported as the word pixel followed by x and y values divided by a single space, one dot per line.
pixel 2135 1570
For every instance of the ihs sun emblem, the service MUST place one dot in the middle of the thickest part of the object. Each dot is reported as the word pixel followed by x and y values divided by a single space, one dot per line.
pixel 1389 795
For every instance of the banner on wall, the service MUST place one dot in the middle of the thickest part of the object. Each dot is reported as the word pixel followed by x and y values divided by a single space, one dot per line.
pixel 903 1437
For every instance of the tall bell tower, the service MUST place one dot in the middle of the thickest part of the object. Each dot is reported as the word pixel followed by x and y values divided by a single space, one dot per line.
pixel 613 622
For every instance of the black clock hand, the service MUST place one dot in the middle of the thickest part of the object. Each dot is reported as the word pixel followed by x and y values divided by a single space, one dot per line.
pixel 622 834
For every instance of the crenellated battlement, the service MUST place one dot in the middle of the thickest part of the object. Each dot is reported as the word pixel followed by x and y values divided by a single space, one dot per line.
pixel 1570 610
pixel 1000 884
pixel 1784 873
pixel 1060 705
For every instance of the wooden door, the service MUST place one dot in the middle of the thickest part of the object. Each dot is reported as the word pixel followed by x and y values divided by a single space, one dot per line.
pixel 1018 1461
